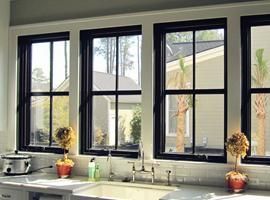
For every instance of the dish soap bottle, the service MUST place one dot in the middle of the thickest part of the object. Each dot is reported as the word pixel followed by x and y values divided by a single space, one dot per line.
pixel 97 173
pixel 91 170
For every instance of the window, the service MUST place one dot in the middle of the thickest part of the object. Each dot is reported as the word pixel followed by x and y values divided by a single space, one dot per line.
pixel 43 90
pixel 111 91
pixel 256 87
pixel 190 90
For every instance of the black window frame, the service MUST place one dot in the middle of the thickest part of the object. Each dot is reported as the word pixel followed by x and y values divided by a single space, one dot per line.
pixel 87 92
pixel 160 31
pixel 25 93
pixel 246 23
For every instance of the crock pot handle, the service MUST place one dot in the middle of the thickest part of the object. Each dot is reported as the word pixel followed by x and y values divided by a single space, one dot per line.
pixel 28 166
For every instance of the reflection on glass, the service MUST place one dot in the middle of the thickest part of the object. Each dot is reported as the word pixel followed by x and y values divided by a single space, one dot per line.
pixel 40 67
pixel 40 121
pixel 178 124
pixel 260 134
pixel 179 60
pixel 209 124
pixel 210 59
pixel 260 56
pixel 104 63
pixel 60 112
pixel 129 67
pixel 103 122
pixel 129 121
pixel 61 66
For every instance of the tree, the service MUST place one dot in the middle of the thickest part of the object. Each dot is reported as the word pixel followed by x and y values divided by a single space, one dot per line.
pixel 205 35
pixel 106 47
pixel 135 124
pixel 181 81
pixel 260 74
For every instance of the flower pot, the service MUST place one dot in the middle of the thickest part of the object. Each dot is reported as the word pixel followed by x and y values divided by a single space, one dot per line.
pixel 64 171
pixel 236 184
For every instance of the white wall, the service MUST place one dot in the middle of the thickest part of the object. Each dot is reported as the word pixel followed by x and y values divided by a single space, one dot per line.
pixel 190 172
pixel 4 25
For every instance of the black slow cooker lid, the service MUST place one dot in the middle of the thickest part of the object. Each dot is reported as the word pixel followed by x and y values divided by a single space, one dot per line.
pixel 16 156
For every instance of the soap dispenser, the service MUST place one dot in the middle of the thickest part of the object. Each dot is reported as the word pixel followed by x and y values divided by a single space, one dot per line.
pixel 97 173
pixel 91 170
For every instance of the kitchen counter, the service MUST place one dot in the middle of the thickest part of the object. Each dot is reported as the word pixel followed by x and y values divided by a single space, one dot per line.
pixel 188 192
pixel 50 183
pixel 43 182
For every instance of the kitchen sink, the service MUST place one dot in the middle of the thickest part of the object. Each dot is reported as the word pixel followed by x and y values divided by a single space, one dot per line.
pixel 124 191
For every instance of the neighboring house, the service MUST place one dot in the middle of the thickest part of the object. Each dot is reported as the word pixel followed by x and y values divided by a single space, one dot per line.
pixel 103 108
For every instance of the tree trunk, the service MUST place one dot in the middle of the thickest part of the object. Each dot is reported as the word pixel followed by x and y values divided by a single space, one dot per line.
pixel 260 114
pixel 181 117
pixel 180 135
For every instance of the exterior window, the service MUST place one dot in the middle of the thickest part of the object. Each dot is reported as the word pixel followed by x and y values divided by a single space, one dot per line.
pixel 190 90
pixel 111 91
pixel 256 87
pixel 43 90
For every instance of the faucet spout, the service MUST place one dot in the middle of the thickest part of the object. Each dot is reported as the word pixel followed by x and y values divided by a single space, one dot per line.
pixel 141 154
pixel 109 160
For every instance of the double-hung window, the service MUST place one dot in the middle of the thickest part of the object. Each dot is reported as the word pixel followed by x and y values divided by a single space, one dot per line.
pixel 190 90
pixel 111 91
pixel 256 87
pixel 43 65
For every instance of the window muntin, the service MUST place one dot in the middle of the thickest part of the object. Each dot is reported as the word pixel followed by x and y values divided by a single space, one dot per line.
pixel 256 86
pixel 191 74
pixel 111 85
pixel 44 90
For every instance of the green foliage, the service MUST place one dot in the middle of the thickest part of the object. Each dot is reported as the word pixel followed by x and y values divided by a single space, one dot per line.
pixel 261 69
pixel 135 124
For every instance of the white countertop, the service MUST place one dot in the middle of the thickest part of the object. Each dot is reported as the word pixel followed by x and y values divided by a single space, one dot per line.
pixel 42 182
pixel 45 182
pixel 188 192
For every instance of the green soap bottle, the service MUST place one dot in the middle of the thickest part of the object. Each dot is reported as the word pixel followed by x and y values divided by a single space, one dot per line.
pixel 91 170
pixel 97 173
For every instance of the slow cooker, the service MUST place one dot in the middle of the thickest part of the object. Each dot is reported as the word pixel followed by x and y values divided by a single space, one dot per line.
pixel 16 164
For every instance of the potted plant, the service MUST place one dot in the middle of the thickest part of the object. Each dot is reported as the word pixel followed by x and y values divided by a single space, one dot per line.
pixel 65 138
pixel 237 145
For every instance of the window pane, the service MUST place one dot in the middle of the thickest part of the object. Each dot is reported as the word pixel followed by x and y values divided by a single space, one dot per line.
pixel 209 124
pixel 179 60
pixel 40 121
pixel 104 63
pixel 260 127
pixel 129 121
pixel 41 67
pixel 178 124
pixel 103 122
pixel 129 68
pixel 61 66
pixel 210 59
pixel 260 56
pixel 60 112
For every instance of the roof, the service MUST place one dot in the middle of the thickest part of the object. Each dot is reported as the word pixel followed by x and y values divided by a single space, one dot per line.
pixel 184 49
pixel 105 81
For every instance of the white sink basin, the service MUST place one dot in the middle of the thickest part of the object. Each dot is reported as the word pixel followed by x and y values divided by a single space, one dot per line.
pixel 124 191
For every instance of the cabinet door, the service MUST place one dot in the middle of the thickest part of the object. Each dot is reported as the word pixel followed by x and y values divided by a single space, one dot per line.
pixel 11 194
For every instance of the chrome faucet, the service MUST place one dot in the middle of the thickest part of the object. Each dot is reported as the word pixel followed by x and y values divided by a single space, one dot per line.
pixel 109 160
pixel 142 169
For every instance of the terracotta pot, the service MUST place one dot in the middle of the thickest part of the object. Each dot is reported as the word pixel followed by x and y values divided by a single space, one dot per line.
pixel 64 171
pixel 236 184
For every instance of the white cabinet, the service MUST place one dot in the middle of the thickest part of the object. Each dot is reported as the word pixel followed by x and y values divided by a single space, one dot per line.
pixel 12 194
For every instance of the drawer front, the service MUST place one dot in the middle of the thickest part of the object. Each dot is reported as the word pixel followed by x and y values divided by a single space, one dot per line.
pixel 7 194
